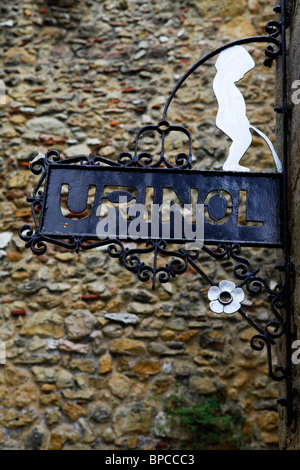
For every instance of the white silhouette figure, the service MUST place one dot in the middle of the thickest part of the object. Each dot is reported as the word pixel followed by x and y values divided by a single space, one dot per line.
pixel 232 64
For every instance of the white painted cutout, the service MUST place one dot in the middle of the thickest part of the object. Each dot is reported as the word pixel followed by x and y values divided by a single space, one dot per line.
pixel 232 64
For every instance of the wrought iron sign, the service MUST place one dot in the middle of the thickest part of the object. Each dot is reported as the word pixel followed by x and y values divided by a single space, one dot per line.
pixel 110 202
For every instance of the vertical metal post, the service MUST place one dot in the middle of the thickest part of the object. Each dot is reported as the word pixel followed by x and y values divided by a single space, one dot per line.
pixel 286 232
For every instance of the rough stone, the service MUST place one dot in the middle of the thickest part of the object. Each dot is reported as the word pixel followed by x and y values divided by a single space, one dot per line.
pixel 119 385
pixel 36 439
pixel 75 150
pixel 68 346
pixel 146 367
pixel 139 307
pixel 17 419
pixel 64 379
pixel 85 365
pixel 5 238
pixel 44 324
pixel 127 346
pixel 79 324
pixel 73 410
pixel 203 385
pixel 14 376
pixel 46 125
pixel 126 318
pixel 44 374
pixel 105 364
pixel 100 414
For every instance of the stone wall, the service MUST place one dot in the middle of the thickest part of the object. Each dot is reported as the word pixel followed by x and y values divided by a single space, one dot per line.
pixel 90 351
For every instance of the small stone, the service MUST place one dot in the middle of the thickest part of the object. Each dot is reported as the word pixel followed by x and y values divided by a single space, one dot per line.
pixel 75 150
pixel 19 180
pixel 139 54
pixel 100 414
pixel 105 364
pixel 253 6
pixel 44 374
pixel 171 348
pixel 46 124
pixel 17 419
pixel 202 385
pixel 144 296
pixel 119 385
pixel 52 399
pixel 30 287
pixel 26 109
pixel 48 388
pixel 25 395
pixel 52 416
pixel 36 439
pixel 73 410
pixel 101 289
pixel 94 141
pixel 57 441
pixel 79 324
pixel 86 394
pixel 58 286
pixel 167 335
pixel 132 442
pixel 15 55
pixel 186 336
pixel 85 365
pixel 178 324
pixel 44 324
pixel 130 347
pixel 122 317
pixel 146 367
pixel 237 27
pixel 68 346
pixel 5 238
pixel 163 39
pixel 13 256
pixel 113 331
pixel 64 379
pixel 137 307
pixel 8 23
pixel 98 345
pixel 107 151
pixel 14 376
pixel 64 256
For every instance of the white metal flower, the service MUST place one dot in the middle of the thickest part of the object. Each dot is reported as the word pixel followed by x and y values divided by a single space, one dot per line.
pixel 226 298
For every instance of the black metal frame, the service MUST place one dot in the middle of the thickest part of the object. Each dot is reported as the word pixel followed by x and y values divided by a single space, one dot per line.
pixel 131 258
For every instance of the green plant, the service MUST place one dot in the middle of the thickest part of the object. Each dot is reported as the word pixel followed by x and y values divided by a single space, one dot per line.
pixel 207 423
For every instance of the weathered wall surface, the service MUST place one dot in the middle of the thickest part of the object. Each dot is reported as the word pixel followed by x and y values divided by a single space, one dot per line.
pixel 84 76
pixel 289 437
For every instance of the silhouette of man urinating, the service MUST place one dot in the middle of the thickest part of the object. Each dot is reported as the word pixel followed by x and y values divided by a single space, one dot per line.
pixel 232 64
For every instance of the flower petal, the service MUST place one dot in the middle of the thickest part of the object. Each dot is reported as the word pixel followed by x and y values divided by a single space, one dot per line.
pixel 216 306
pixel 238 295
pixel 227 285
pixel 213 293
pixel 232 307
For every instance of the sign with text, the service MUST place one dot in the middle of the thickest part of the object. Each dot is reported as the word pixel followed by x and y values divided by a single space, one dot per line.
pixel 191 205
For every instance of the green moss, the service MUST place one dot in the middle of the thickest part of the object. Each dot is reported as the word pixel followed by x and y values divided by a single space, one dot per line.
pixel 208 423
